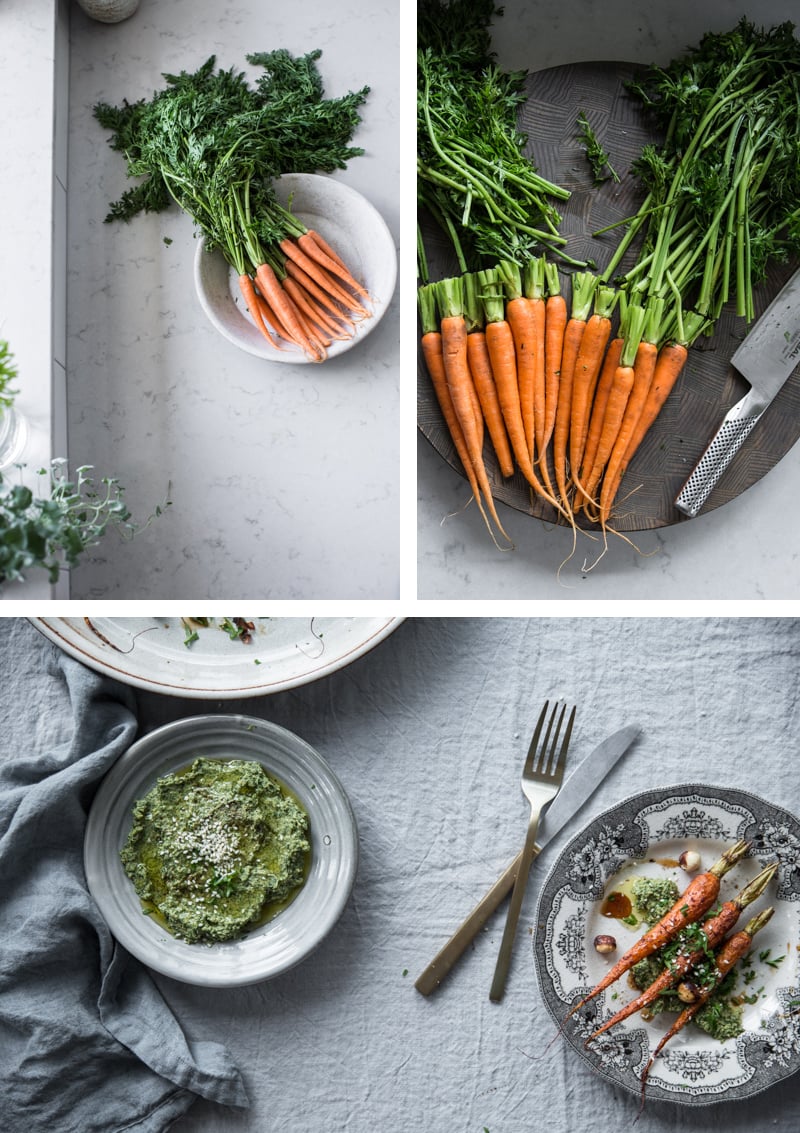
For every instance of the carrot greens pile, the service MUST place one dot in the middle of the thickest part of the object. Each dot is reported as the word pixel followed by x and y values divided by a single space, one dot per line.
pixel 214 143
pixel 473 175
pixel 720 202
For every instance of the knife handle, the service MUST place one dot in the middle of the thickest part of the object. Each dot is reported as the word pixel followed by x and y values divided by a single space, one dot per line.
pixel 444 960
pixel 724 445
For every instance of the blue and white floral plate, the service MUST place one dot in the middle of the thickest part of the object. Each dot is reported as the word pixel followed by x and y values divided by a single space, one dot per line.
pixel 645 835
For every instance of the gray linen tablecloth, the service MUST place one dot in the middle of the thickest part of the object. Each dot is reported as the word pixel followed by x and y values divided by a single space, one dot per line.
pixel 427 734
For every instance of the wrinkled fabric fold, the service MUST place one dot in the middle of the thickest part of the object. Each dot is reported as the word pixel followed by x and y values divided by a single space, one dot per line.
pixel 87 1041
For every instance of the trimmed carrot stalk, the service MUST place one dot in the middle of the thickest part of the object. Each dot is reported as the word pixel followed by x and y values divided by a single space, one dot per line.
pixel 696 899
pixel 731 952
pixel 431 342
pixel 453 325
pixel 522 320
pixel 588 366
pixel 500 344
pixel 481 369
pixel 251 298
pixel 583 288
pixel 714 931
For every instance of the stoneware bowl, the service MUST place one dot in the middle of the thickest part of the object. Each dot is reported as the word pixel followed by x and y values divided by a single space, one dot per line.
pixel 348 222
pixel 296 930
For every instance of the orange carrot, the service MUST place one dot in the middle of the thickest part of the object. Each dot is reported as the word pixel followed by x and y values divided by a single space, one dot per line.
pixel 587 373
pixel 285 310
pixel 621 386
pixel 481 369
pixel 500 344
pixel 325 279
pixel 313 314
pixel 431 342
pixel 597 413
pixel 583 287
pixel 730 953
pixel 696 899
pixel 643 369
pixel 319 251
pixel 452 324
pixel 690 949
pixel 534 288
pixel 555 326
pixel 323 298
pixel 522 320
pixel 250 296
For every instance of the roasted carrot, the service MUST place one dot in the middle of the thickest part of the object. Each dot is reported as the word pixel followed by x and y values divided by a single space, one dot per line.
pixel 588 366
pixel 730 953
pixel 695 900
pixel 500 344
pixel 522 320
pixel 690 948
pixel 583 287
pixel 431 341
pixel 481 369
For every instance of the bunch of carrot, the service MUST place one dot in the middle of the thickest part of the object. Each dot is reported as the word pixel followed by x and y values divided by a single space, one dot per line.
pixel 697 943
pixel 563 401
pixel 297 288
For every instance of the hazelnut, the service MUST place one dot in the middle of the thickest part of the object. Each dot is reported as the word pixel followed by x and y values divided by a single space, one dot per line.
pixel 689 860
pixel 604 943
pixel 688 992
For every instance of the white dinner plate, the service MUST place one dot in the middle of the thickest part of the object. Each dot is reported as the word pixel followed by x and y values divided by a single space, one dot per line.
pixel 296 930
pixel 640 835
pixel 151 654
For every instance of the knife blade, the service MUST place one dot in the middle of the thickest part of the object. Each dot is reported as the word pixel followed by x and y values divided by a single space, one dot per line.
pixel 766 358
pixel 576 790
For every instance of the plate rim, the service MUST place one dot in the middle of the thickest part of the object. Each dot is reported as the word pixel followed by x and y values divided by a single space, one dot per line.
pixel 54 630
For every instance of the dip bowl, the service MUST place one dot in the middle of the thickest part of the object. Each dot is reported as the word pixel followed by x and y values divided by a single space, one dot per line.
pixel 271 948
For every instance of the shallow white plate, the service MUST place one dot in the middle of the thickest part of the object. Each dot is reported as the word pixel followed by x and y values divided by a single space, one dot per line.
pixel 150 653
pixel 637 836
pixel 352 227
pixel 299 928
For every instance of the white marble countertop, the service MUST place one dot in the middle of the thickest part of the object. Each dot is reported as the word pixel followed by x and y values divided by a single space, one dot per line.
pixel 283 479
pixel 748 549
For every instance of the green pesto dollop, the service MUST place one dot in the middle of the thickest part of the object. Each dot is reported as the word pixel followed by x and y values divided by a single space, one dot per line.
pixel 653 897
pixel 720 1018
pixel 216 848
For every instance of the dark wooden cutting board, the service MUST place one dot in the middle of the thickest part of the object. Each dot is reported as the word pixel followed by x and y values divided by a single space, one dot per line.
pixel 709 385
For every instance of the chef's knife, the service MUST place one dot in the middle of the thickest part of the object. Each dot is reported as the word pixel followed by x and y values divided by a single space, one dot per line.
pixel 767 357
pixel 577 788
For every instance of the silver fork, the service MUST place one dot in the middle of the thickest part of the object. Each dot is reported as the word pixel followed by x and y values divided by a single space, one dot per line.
pixel 541 781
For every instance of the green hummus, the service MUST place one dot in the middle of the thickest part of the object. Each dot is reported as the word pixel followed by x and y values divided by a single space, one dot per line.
pixel 216 848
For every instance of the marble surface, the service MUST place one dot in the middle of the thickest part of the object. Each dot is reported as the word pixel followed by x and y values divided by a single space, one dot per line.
pixel 283 479
pixel 747 550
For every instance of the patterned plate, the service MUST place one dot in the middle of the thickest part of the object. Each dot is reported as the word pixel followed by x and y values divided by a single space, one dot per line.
pixel 645 835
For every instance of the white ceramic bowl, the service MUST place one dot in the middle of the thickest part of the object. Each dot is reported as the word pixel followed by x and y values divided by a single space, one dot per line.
pixel 299 928
pixel 348 222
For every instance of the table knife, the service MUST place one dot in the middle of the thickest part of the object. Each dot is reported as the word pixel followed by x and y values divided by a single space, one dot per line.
pixel 578 787
pixel 767 357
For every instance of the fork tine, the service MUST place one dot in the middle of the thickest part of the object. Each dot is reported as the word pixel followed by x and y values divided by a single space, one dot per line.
pixel 534 746
pixel 548 766
pixel 541 761
pixel 558 770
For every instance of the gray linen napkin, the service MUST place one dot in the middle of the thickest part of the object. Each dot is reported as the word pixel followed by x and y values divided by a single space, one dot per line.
pixel 86 1040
